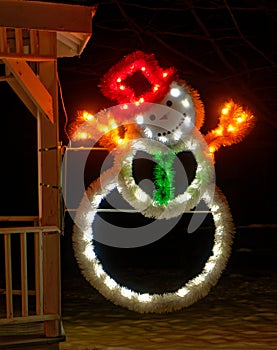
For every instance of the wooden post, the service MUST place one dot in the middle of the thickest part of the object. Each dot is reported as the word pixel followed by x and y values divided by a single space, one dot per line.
pixel 50 193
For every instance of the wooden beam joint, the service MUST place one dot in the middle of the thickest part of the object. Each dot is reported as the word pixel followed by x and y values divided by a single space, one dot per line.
pixel 31 85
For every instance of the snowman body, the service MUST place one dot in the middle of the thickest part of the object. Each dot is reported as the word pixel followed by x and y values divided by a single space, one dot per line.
pixel 163 130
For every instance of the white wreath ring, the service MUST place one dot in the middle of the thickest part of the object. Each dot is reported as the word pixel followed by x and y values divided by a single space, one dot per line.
pixel 141 201
pixel 192 291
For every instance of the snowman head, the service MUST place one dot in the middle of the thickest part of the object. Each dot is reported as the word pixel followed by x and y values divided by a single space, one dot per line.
pixel 174 116
pixel 171 108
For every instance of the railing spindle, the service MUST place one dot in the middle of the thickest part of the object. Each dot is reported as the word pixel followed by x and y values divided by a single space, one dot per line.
pixel 24 273
pixel 34 41
pixel 3 40
pixel 8 276
pixel 39 272
pixel 19 40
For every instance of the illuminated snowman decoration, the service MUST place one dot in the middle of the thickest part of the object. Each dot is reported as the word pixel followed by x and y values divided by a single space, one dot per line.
pixel 167 120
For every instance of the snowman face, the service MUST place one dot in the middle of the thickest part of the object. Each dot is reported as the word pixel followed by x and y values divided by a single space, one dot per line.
pixel 179 98
pixel 171 119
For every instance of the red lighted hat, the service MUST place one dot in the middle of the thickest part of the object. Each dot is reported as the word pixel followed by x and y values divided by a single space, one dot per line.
pixel 114 86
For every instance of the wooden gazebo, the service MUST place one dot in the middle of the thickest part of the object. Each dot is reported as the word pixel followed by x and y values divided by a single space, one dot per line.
pixel 33 34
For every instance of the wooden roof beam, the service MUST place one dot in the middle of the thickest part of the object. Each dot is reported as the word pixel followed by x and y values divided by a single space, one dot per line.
pixel 46 16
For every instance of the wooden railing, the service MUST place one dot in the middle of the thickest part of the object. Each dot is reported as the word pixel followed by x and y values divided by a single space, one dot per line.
pixel 23 246
pixel 23 43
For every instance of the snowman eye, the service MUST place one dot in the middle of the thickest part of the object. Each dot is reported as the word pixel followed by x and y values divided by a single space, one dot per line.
pixel 152 117
pixel 169 103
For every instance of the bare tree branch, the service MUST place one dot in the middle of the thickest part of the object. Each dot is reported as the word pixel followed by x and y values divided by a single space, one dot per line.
pixel 248 42
pixel 210 38
pixel 137 30
pixel 179 53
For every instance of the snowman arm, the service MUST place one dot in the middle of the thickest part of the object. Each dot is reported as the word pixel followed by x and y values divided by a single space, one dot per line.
pixel 234 124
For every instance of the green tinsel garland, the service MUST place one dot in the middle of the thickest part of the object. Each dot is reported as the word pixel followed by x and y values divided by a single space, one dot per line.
pixel 163 177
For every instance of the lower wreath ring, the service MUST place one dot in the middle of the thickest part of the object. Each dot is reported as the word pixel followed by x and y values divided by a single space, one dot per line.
pixel 189 293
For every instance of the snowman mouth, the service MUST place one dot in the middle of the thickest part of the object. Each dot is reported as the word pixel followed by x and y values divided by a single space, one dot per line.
pixel 173 130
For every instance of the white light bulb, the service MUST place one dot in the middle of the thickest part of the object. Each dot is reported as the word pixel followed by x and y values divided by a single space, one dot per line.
pixel 145 298
pixel 185 103
pixel 182 292
pixel 148 132
pixel 140 195
pixel 90 216
pixel 163 139
pixel 89 253
pixel 175 92
pixel 187 121
pixel 199 279
pixel 210 265
pixel 177 135
pixel 126 292
pixel 217 248
pixel 215 207
pixel 139 119
pixel 99 270
pixel 87 234
pixel 110 283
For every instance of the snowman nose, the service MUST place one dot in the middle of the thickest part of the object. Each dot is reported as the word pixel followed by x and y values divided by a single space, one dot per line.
pixel 164 117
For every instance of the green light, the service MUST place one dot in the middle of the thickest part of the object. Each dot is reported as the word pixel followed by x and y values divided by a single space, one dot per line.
pixel 164 177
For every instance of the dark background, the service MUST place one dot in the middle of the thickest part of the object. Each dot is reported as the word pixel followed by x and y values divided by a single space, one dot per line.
pixel 223 49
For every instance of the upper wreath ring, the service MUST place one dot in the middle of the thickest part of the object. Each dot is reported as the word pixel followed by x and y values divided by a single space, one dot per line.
pixel 141 201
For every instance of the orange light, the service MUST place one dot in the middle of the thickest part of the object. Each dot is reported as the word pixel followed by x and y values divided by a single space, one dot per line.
pixel 83 135
pixel 156 87
pixel 212 149
pixel 87 116
pixel 118 80
pixel 112 124
pixel 231 128
pixel 165 74
pixel 143 69
pixel 122 87
pixel 103 128
pixel 225 111
pixel 242 118
pixel 218 131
